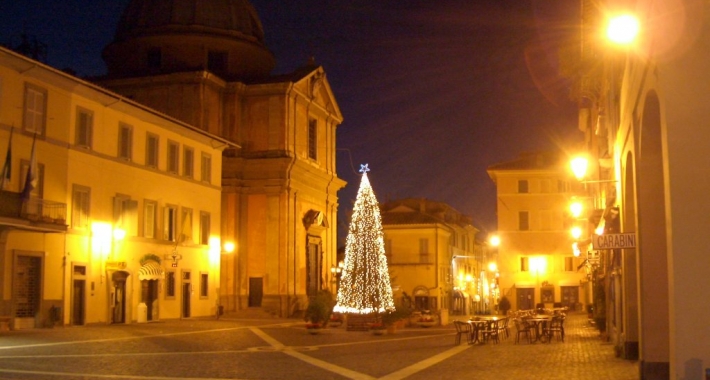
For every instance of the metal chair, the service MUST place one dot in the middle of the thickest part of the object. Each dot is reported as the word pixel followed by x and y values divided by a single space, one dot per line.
pixel 491 331
pixel 522 328
pixel 556 327
pixel 463 328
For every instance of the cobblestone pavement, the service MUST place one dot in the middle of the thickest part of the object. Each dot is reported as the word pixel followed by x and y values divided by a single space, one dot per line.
pixel 282 349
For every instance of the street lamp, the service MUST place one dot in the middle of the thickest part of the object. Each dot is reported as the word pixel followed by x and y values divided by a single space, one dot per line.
pixel 623 29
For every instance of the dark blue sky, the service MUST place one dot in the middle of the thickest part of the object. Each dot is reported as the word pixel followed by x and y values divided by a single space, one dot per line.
pixel 433 92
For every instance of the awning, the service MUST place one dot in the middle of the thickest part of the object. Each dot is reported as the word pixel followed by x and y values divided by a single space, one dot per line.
pixel 151 271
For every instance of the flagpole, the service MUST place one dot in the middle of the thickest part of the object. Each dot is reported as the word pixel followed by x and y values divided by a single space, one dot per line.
pixel 7 167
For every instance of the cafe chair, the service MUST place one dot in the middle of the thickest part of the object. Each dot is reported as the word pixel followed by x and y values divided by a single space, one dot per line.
pixel 503 328
pixel 491 331
pixel 463 328
pixel 556 327
pixel 524 329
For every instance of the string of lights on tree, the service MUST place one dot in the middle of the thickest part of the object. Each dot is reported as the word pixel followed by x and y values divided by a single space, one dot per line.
pixel 365 283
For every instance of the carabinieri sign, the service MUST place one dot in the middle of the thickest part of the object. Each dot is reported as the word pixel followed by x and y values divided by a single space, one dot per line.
pixel 614 241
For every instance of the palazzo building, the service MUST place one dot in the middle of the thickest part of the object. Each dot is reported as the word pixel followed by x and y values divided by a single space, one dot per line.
pixel 119 219
pixel 536 260
pixel 434 258
pixel 206 64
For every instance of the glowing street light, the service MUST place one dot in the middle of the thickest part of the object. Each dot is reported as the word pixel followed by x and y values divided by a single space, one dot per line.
pixel 495 240
pixel 576 232
pixel 623 29
pixel 579 166
pixel 576 209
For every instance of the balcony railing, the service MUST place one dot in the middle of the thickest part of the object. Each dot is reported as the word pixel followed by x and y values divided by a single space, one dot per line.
pixel 35 210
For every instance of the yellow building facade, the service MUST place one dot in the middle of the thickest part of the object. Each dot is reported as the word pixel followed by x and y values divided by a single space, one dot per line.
pixel 434 259
pixel 536 260
pixel 208 65
pixel 123 223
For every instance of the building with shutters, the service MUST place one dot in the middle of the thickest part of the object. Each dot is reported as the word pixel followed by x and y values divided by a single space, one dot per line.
pixel 122 221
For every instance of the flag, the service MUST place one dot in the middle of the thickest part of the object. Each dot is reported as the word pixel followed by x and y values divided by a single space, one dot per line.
pixel 31 179
pixel 7 168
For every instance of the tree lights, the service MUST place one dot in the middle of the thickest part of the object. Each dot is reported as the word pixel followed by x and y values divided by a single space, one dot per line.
pixel 365 283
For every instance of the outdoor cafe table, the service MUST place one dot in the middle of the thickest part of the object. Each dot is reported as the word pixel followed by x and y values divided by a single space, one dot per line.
pixel 537 321
pixel 478 324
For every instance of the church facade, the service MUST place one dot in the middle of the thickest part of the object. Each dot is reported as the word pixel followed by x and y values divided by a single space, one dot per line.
pixel 208 66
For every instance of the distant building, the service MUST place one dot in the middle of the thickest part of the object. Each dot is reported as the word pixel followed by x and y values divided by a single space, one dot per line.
pixel 536 260
pixel 433 257
pixel 206 63
pixel 122 223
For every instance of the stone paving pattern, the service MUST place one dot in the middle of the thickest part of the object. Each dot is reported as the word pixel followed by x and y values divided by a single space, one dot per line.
pixel 269 348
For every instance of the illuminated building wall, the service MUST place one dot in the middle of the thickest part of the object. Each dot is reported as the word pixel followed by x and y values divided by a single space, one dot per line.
pixel 124 218
pixel 536 261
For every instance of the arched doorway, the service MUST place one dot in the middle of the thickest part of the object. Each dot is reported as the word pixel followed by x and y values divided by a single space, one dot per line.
pixel 150 274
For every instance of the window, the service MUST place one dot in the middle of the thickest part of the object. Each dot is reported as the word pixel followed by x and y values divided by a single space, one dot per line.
pixel 38 189
pixel 149 219
pixel 81 201
pixel 154 58
pixel 188 162
pixel 186 229
pixel 170 284
pixel 204 285
pixel 173 157
pixel 523 221
pixel 204 228
pixel 569 264
pixel 524 264
pixel 206 168
pixel 151 151
pixel 523 186
pixel 313 139
pixel 125 214
pixel 35 109
pixel 217 61
pixel 170 223
pixel 125 141
pixel 84 127
pixel 423 250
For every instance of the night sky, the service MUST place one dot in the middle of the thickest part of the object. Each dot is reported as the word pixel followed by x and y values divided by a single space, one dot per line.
pixel 432 91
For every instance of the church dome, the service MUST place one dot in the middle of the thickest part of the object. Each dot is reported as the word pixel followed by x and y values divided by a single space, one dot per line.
pixel 163 36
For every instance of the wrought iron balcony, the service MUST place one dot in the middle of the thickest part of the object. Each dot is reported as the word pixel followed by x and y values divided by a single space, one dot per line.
pixel 34 213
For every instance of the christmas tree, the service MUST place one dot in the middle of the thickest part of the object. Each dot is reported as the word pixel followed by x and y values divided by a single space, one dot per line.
pixel 365 282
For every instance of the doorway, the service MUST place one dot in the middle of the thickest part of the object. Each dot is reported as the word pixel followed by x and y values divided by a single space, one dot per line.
pixel 27 290
pixel 525 298
pixel 149 296
pixel 78 299
pixel 186 293
pixel 118 300
pixel 570 296
pixel 256 291
pixel 78 295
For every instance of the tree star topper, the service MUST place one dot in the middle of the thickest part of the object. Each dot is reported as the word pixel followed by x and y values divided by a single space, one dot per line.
pixel 364 169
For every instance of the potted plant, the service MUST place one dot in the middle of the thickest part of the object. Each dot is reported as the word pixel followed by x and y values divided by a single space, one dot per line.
pixel 319 310
pixel 393 318
pixel 426 320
